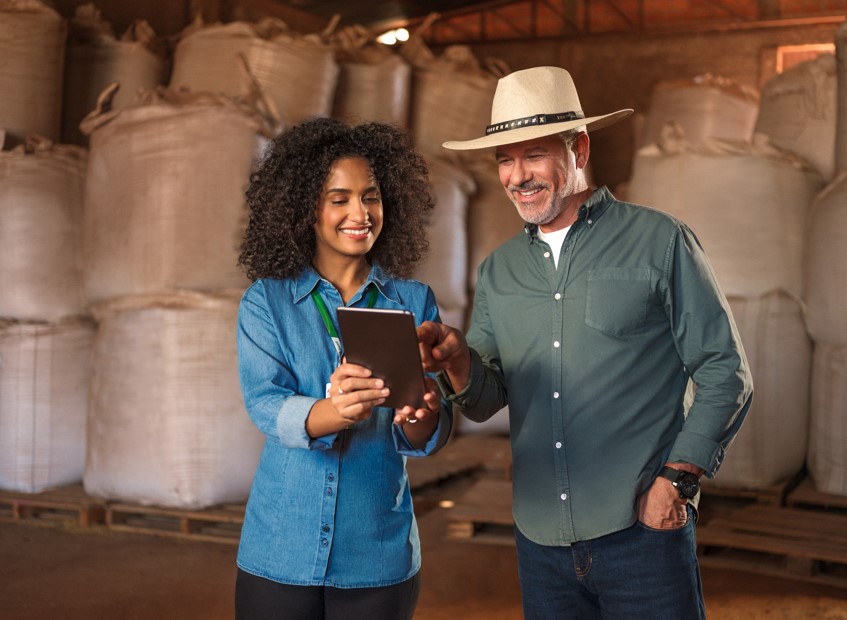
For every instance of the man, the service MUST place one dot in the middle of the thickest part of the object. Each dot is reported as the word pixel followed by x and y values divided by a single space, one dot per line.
pixel 589 325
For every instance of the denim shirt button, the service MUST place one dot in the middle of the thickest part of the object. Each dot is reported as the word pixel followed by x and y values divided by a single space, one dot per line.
pixel 329 492
pixel 325 528
pixel 324 542
pixel 331 477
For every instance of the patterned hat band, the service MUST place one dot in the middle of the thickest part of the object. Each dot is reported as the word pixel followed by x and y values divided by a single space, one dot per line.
pixel 538 119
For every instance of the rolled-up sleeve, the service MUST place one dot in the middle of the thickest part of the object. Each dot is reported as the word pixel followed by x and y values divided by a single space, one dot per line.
pixel 709 346
pixel 267 382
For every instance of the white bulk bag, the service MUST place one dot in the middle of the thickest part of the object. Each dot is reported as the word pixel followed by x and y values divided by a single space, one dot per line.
pixel 827 454
pixel 770 448
pixel 705 107
pixel 374 83
pixel 747 203
pixel 797 112
pixel 376 92
pixel 44 375
pixel 451 99
pixel 297 73
pixel 167 423
pixel 825 267
pixel 95 59
pixel 41 193
pixel 32 52
pixel 445 267
pixel 164 199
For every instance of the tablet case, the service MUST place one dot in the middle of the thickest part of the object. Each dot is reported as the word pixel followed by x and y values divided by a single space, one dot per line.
pixel 385 341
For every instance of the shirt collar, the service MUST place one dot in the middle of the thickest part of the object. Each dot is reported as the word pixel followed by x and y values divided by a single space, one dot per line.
pixel 309 279
pixel 590 211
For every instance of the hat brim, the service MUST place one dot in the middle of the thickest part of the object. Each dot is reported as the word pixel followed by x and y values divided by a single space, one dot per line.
pixel 522 134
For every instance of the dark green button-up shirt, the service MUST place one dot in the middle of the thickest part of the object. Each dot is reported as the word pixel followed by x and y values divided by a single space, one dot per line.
pixel 593 360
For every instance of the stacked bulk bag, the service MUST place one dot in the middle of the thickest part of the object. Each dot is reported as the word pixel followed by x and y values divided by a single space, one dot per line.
pixel 705 107
pixel 826 296
pixel 41 204
pixel 771 446
pixel 297 73
pixel 165 217
pixel 44 375
pixel 167 424
pixel 437 84
pixel 96 59
pixel 749 204
pixel 445 267
pixel 826 264
pixel 32 52
pixel 374 83
pixel 797 112
pixel 825 271
pixel 164 206
pixel 827 457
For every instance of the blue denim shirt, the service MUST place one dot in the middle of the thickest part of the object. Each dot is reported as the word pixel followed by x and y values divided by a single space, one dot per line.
pixel 334 510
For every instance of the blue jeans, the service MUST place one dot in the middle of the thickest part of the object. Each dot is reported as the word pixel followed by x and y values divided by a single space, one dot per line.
pixel 638 573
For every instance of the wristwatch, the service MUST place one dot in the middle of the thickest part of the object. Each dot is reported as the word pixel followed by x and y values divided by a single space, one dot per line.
pixel 686 483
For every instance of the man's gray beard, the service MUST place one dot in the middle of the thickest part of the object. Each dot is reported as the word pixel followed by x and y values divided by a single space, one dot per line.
pixel 556 206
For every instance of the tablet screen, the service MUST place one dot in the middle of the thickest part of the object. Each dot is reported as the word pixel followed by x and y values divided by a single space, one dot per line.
pixel 386 342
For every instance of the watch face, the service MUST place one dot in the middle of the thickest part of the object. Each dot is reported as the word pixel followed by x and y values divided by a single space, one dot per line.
pixel 688 484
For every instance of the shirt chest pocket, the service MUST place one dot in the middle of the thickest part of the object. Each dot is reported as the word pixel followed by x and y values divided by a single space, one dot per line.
pixel 617 299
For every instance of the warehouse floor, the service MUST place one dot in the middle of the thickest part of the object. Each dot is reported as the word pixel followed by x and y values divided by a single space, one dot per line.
pixel 49 573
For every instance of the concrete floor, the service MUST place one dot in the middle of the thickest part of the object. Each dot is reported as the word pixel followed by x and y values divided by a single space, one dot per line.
pixel 51 573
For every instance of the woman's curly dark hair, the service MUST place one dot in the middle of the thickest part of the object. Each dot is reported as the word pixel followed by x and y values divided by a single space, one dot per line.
pixel 285 189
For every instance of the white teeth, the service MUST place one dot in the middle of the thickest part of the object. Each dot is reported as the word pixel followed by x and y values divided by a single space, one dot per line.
pixel 355 231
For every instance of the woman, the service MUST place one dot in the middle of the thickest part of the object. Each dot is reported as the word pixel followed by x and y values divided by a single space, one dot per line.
pixel 336 218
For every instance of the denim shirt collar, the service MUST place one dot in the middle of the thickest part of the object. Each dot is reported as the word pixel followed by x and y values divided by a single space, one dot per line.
pixel 308 279
pixel 590 211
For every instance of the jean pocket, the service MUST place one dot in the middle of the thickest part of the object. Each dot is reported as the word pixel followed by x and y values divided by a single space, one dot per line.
pixel 666 530
pixel 617 299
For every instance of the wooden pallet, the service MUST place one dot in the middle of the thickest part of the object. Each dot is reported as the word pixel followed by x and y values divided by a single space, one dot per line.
pixel 484 514
pixel 60 506
pixel 220 524
pixel 463 455
pixel 773 495
pixel 808 545
pixel 806 496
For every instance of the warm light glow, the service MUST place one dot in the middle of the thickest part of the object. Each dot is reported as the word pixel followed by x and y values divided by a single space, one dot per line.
pixel 789 55
pixel 392 36
pixel 387 38
pixel 446 503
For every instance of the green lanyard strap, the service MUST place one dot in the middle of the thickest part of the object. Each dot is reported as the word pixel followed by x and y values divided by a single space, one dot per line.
pixel 330 326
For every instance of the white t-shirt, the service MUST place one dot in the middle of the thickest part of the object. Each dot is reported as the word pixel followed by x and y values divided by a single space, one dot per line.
pixel 555 240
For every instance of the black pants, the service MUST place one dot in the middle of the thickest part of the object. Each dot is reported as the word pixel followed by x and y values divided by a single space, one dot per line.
pixel 257 598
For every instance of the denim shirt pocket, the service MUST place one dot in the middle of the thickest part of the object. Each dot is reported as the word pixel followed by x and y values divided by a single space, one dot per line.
pixel 617 299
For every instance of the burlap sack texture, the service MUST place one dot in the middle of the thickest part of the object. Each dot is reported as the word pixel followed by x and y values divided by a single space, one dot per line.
pixel 96 58
pixel 41 204
pixel 32 46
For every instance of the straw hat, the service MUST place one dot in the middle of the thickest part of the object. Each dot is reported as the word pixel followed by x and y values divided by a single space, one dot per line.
pixel 534 103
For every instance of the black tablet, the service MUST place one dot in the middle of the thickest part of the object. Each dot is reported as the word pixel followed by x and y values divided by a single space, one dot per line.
pixel 385 341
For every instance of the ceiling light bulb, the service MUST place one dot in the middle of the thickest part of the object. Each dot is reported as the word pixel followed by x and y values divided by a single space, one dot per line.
pixel 387 38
